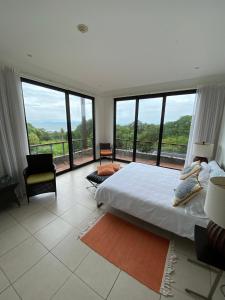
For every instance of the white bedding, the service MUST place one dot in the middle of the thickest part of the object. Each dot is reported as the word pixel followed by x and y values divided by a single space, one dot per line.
pixel 146 192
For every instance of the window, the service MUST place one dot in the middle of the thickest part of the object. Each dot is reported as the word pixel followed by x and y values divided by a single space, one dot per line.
pixel 158 127
pixel 59 123
pixel 82 129
pixel 125 116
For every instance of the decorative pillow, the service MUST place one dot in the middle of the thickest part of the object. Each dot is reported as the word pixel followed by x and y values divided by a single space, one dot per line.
pixel 105 170
pixel 186 190
pixel 115 166
pixel 193 169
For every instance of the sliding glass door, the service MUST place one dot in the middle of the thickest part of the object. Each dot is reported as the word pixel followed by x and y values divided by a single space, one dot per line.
pixel 148 128
pixel 154 129
pixel 124 135
pixel 81 114
pixel 176 129
pixel 45 111
pixel 59 122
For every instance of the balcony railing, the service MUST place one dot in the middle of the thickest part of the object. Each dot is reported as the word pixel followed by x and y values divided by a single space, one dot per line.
pixel 171 153
pixel 60 151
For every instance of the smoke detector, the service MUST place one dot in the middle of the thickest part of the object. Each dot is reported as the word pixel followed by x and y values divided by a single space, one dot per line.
pixel 82 28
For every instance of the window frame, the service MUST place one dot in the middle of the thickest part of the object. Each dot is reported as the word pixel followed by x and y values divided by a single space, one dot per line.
pixel 67 92
pixel 138 98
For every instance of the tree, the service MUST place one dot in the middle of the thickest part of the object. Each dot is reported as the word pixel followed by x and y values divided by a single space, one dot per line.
pixel 33 138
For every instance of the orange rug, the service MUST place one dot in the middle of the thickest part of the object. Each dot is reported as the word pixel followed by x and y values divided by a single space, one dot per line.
pixel 140 253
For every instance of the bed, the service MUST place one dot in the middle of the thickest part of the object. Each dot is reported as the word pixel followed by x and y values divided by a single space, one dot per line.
pixel 146 192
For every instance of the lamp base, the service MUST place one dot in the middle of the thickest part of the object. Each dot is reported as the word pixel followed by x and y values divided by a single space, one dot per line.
pixel 202 159
pixel 216 237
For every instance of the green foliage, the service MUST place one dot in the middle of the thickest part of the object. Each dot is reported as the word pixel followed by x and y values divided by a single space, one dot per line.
pixel 175 136
pixel 42 136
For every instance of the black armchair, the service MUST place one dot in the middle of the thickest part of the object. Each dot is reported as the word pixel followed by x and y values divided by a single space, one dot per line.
pixel 40 175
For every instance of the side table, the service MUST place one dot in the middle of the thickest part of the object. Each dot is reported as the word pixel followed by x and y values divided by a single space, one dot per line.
pixel 207 256
pixel 7 190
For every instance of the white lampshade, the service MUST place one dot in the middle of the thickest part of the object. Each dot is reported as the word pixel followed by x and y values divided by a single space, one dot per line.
pixel 203 149
pixel 215 201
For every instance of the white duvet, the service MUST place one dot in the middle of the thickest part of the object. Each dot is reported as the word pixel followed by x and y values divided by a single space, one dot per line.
pixel 146 192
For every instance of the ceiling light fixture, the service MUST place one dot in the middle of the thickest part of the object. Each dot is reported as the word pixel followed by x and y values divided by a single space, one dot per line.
pixel 197 68
pixel 82 28
pixel 29 55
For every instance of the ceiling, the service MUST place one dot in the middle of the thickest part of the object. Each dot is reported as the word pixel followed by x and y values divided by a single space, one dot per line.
pixel 130 43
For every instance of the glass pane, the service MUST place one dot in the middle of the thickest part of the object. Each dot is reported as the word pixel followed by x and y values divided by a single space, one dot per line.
pixel 149 117
pixel 46 123
pixel 177 122
pixel 125 117
pixel 82 129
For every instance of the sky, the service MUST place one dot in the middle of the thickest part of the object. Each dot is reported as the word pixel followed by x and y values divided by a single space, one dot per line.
pixel 150 109
pixel 44 106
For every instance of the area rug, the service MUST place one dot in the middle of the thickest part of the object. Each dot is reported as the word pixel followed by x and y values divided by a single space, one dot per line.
pixel 147 257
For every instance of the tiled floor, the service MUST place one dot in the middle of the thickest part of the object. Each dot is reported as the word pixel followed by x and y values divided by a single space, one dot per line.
pixel 41 257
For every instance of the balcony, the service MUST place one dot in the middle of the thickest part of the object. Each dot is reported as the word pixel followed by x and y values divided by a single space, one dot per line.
pixel 172 154
pixel 60 152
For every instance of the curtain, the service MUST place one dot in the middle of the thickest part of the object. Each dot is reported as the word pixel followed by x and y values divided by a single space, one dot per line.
pixel 13 135
pixel 207 117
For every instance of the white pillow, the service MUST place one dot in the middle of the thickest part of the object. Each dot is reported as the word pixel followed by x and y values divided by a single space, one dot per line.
pixel 204 174
pixel 215 170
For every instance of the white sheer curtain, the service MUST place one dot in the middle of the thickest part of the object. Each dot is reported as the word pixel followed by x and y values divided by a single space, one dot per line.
pixel 207 117
pixel 13 136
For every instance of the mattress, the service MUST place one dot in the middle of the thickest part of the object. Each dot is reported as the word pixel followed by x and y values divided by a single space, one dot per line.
pixel 146 192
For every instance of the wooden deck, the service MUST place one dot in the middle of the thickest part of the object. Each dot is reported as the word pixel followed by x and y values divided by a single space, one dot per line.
pixel 77 161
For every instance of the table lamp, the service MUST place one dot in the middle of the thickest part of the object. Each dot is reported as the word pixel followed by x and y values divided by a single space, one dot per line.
pixel 215 210
pixel 202 151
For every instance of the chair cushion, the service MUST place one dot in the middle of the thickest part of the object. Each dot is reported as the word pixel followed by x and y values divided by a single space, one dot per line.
pixel 106 152
pixel 41 177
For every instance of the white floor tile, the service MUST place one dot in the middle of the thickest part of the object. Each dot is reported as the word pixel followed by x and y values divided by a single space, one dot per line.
pixel 189 275
pixel 21 258
pixel 25 210
pixel 53 233
pixel 9 294
pixel 127 288
pixel 177 295
pixel 12 237
pixel 76 215
pixel 219 295
pixel 98 273
pixel 43 280
pixel 59 207
pixel 6 221
pixel 71 251
pixel 73 289
pixel 38 220
pixel 3 281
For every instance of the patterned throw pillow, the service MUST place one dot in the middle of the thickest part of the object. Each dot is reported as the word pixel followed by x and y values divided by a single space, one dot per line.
pixel 186 190
pixel 193 169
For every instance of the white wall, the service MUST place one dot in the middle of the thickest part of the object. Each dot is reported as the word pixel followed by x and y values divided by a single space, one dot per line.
pixel 221 144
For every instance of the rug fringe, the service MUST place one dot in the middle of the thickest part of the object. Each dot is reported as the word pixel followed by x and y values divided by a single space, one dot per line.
pixel 89 223
pixel 171 259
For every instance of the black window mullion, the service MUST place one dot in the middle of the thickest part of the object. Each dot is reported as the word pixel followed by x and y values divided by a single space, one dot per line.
pixel 93 122
pixel 135 129
pixel 114 131
pixel 161 131
pixel 69 131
